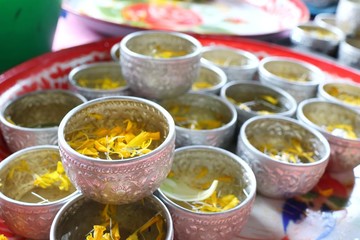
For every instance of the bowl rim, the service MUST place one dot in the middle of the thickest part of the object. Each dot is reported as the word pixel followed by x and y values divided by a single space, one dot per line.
pixel 227 125
pixel 254 60
pixel 247 169
pixel 87 66
pixel 168 139
pixel 291 111
pixel 320 76
pixel 322 93
pixel 301 116
pixel 195 53
pixel 313 131
pixel 166 214
pixel 35 130
pixel 19 153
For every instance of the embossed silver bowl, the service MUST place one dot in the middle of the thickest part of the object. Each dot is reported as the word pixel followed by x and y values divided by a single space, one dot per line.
pixel 297 77
pixel 336 122
pixel 315 37
pixel 194 225
pixel 276 177
pixel 345 93
pixel 251 98
pixel 33 118
pixel 236 63
pixel 23 206
pixel 210 80
pixel 115 52
pixel 101 79
pixel 77 218
pixel 160 64
pixel 349 52
pixel 118 180
pixel 202 119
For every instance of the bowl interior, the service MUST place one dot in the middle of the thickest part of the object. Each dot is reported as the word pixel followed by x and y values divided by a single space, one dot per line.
pixel 77 220
pixel 198 111
pixel 103 76
pixel 113 120
pixel 207 79
pixel 346 93
pixel 319 32
pixel 257 99
pixel 227 57
pixel 41 109
pixel 285 140
pixel 199 167
pixel 291 71
pixel 332 117
pixel 18 176
pixel 161 45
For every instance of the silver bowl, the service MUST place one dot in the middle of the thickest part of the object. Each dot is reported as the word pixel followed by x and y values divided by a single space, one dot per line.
pixel 347 17
pixel 195 107
pixel 349 52
pixel 77 218
pixel 101 79
pixel 315 37
pixel 298 78
pixel 160 64
pixel 115 52
pixel 119 180
pixel 33 118
pixel 195 225
pixel 325 19
pixel 275 178
pixel 236 63
pixel 249 99
pixel 22 211
pixel 211 79
pixel 345 93
pixel 320 114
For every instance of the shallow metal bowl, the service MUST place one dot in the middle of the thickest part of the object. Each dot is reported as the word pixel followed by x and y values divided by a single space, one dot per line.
pixel 220 225
pixel 211 79
pixel 119 181
pixel 236 63
pixel 22 211
pixel 154 77
pixel 33 118
pixel 319 114
pixel 77 218
pixel 276 71
pixel 250 93
pixel 203 106
pixel 345 93
pixel 90 79
pixel 315 37
pixel 349 52
pixel 275 178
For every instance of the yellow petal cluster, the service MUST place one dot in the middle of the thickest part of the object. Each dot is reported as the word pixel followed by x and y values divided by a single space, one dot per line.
pixel 109 222
pixel 342 130
pixel 56 178
pixel 113 143
pixel 291 154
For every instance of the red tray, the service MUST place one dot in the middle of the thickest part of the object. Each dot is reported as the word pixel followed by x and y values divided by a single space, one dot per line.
pixel 331 216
